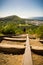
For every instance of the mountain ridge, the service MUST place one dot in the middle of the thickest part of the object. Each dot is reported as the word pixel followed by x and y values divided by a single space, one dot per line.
pixel 17 17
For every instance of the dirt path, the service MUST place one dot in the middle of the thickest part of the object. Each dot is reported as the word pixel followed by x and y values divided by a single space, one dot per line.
pixel 9 59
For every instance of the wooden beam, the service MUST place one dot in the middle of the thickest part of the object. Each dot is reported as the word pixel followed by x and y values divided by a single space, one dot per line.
pixel 27 59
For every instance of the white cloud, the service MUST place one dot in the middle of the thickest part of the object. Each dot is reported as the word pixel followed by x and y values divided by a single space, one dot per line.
pixel 23 14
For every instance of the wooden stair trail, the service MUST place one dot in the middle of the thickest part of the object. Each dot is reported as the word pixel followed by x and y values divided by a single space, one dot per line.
pixel 27 59
pixel 15 39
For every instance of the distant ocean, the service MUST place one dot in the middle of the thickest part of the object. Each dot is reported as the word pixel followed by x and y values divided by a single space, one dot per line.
pixel 37 18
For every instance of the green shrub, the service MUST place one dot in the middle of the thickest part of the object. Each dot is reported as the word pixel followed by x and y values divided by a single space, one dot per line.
pixel 9 28
pixel 39 31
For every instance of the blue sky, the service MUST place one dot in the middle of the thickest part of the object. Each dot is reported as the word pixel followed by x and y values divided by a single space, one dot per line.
pixel 22 8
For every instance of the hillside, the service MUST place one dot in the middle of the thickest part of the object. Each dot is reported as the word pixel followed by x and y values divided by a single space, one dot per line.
pixel 9 18
pixel 17 19
pixel 13 18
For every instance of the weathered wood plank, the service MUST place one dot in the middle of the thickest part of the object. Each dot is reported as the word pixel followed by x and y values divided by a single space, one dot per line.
pixel 27 59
